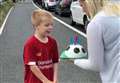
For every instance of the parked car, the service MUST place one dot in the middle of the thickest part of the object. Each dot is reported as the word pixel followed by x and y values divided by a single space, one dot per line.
pixel 1 0
pixel 63 7
pixel 49 4
pixel 39 2
pixel 77 13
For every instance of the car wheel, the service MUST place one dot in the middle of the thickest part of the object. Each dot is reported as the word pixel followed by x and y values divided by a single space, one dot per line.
pixel 46 7
pixel 72 22
pixel 85 21
pixel 59 13
pixel 69 14
pixel 43 5
pixel 56 12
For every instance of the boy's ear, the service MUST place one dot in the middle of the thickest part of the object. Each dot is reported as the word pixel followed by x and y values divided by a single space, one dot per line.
pixel 34 27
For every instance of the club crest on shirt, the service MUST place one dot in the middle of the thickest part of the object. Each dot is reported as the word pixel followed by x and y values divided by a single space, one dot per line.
pixel 39 54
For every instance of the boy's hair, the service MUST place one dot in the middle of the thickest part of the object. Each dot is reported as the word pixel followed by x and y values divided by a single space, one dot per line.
pixel 39 16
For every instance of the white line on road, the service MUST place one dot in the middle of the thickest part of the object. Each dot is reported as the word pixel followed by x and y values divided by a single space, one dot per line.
pixel 3 25
pixel 62 22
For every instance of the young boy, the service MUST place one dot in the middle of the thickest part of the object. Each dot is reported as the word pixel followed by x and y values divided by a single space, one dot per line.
pixel 40 51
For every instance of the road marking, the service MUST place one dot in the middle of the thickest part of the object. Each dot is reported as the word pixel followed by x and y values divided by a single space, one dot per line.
pixel 3 25
pixel 67 25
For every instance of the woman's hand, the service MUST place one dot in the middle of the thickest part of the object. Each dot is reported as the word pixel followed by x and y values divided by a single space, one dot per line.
pixel 71 61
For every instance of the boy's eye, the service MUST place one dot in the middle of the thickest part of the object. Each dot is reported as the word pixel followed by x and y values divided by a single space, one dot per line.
pixel 46 25
pixel 49 24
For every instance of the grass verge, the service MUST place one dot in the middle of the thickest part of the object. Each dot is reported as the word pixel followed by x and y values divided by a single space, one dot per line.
pixel 4 9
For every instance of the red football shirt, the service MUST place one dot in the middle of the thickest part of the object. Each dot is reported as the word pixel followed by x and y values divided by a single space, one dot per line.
pixel 44 54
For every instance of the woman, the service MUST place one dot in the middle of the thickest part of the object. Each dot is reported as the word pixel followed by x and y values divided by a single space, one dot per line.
pixel 103 37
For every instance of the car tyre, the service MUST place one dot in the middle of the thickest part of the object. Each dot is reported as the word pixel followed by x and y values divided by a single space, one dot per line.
pixel 59 13
pixel 56 11
pixel 43 5
pixel 47 7
pixel 85 21
pixel 72 22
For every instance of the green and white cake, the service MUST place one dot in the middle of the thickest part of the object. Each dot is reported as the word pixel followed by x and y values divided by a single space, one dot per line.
pixel 74 51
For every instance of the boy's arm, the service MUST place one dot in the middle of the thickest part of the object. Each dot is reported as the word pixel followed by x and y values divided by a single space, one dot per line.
pixel 55 72
pixel 55 59
pixel 30 59
pixel 39 74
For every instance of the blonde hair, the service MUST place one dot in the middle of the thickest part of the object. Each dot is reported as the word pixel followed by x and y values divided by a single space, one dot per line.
pixel 39 16
pixel 94 6
pixel 112 8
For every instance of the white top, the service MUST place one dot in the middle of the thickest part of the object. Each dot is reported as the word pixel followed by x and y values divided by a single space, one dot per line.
pixel 103 35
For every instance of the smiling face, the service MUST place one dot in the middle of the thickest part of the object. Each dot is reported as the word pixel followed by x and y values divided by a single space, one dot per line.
pixel 45 27
pixel 42 22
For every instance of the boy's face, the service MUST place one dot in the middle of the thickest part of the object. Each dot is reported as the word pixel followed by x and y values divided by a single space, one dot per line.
pixel 45 27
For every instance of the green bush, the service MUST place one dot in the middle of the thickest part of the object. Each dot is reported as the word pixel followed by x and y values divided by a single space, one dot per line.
pixel 4 8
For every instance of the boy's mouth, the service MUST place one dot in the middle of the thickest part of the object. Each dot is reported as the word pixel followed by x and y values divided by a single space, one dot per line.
pixel 48 31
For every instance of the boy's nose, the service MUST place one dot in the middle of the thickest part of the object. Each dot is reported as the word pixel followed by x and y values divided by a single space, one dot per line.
pixel 51 27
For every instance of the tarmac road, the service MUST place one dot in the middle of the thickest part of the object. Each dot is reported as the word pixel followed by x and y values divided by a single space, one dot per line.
pixel 17 29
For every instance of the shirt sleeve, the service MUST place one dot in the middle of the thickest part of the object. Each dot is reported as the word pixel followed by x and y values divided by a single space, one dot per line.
pixel 55 55
pixel 29 55
pixel 95 48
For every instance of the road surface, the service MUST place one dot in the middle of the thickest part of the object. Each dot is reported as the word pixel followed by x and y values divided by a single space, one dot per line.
pixel 17 29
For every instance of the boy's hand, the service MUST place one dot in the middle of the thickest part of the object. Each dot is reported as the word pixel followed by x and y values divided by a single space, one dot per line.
pixel 48 81
pixel 55 82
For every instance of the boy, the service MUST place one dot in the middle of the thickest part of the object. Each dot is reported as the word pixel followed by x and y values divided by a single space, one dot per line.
pixel 40 51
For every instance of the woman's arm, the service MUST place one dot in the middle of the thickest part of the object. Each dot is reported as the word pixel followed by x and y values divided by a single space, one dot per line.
pixel 95 48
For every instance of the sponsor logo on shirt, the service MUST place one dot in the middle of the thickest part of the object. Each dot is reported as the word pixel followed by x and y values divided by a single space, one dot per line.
pixel 45 64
